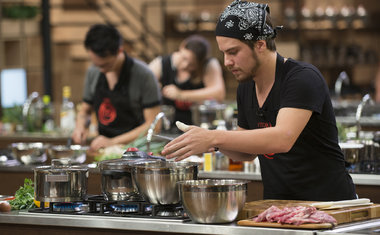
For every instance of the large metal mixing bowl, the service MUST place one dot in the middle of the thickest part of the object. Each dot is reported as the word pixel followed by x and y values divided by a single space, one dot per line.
pixel 157 181
pixel 213 200
pixel 30 153
pixel 76 153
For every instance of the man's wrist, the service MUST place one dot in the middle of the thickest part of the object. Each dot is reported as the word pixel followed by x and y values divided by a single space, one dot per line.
pixel 180 95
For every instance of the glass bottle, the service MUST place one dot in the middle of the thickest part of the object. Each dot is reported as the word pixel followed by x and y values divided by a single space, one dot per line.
pixel 235 165
pixel 48 114
pixel 67 114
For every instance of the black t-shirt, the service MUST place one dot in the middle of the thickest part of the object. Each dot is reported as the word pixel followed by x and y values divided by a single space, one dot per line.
pixel 121 109
pixel 314 168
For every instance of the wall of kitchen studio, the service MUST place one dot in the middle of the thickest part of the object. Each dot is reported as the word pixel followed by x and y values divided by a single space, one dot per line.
pixel 333 35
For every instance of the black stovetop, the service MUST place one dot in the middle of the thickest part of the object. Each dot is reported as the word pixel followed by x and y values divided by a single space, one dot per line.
pixel 96 205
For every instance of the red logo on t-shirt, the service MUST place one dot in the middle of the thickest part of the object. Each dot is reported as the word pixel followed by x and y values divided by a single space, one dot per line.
pixel 106 112
pixel 265 125
pixel 182 105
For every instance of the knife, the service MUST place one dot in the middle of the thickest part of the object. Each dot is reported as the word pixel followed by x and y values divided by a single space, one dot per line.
pixel 163 137
pixel 343 203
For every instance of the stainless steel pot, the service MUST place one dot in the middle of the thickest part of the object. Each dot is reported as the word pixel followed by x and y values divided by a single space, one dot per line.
pixel 353 151
pixel 157 181
pixel 117 181
pixel 60 183
pixel 213 200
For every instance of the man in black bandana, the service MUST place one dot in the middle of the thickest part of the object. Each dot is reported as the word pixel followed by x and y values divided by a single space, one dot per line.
pixel 120 89
pixel 285 115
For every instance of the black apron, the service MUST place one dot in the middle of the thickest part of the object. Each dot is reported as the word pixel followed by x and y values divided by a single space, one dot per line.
pixel 182 108
pixel 112 107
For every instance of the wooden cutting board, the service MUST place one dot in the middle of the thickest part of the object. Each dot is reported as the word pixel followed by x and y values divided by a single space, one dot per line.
pixel 343 215
pixel 278 225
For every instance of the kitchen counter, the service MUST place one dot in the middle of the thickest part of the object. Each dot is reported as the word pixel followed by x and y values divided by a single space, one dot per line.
pixel 40 222
pixel 16 222
pixel 365 122
pixel 51 138
pixel 359 179
pixel 367 185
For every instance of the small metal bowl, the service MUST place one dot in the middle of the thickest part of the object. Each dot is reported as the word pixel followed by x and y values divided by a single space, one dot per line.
pixel 213 201
pixel 76 153
pixel 30 153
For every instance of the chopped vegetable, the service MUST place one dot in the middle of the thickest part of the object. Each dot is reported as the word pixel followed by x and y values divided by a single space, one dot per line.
pixel 24 196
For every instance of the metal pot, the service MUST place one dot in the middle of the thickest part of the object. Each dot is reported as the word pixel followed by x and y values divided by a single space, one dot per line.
pixel 117 181
pixel 60 183
pixel 157 181
pixel 205 114
pixel 213 200
pixel 352 153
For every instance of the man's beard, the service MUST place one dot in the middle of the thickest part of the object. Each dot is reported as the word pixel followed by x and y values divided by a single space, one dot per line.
pixel 253 71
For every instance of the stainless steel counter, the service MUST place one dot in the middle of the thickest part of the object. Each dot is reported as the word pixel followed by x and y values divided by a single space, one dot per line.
pixel 364 121
pixel 169 226
pixel 359 179
pixel 364 227
pixel 137 224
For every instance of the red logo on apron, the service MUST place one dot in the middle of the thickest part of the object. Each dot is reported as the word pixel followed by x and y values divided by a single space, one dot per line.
pixel 183 105
pixel 106 112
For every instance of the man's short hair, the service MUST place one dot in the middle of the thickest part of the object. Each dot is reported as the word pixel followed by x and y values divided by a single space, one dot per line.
pixel 103 40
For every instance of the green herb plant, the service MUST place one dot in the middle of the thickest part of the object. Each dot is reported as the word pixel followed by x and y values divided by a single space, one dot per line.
pixel 24 196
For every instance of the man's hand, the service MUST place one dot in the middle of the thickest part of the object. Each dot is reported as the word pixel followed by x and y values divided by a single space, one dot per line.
pixel 100 142
pixel 171 92
pixel 195 140
pixel 79 135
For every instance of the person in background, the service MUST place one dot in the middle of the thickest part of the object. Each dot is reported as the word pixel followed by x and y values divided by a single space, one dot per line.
pixel 121 90
pixel 189 76
pixel 285 115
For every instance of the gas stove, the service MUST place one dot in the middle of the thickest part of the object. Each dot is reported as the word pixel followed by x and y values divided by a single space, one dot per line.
pixel 96 205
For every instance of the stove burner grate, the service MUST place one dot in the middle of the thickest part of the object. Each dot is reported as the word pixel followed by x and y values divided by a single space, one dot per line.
pixel 96 205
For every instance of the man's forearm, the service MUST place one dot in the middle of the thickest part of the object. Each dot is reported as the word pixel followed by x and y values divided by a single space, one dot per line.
pixel 130 135
pixel 238 156
pixel 83 120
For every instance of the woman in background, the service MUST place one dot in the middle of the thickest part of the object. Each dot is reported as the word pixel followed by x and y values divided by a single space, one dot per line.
pixel 189 76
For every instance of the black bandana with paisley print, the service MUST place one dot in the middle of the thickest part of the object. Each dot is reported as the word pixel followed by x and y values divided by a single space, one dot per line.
pixel 245 21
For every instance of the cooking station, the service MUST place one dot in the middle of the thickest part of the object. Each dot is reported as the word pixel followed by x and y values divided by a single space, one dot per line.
pixel 38 223
pixel 126 220
pixel 119 210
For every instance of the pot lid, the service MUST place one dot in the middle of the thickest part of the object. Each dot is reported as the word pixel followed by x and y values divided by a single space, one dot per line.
pixel 121 163
pixel 136 154
pixel 58 165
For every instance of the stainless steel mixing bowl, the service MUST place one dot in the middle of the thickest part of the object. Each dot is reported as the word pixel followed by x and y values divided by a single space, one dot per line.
pixel 30 153
pixel 157 181
pixel 213 200
pixel 76 153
